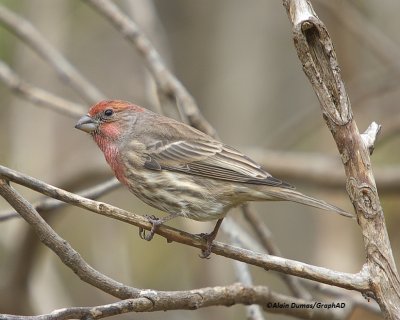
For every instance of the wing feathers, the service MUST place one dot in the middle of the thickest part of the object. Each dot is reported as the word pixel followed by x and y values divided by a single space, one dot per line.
pixel 208 158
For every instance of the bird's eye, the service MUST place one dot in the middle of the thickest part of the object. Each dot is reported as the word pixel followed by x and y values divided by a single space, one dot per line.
pixel 108 112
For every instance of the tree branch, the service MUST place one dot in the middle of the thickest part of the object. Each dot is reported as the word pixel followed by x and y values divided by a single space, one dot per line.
pixel 36 95
pixel 379 43
pixel 167 83
pixel 242 270
pixel 62 248
pixel 356 299
pixel 48 204
pixel 32 37
pixel 315 51
pixel 144 300
pixel 152 300
pixel 318 169
pixel 165 80
pixel 264 235
pixel 357 281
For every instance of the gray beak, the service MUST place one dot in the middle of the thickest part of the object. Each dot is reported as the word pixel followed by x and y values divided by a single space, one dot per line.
pixel 86 124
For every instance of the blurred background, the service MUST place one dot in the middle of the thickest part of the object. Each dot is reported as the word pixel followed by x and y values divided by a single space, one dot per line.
pixel 238 61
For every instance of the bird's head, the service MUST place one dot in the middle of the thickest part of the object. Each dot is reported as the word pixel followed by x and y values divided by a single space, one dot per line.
pixel 109 118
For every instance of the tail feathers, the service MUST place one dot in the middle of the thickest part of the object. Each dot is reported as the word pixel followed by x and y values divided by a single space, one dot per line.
pixel 295 196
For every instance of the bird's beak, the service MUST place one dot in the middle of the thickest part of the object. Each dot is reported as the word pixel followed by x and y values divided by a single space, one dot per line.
pixel 86 124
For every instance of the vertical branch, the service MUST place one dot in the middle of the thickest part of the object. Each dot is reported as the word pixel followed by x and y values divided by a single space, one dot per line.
pixel 316 53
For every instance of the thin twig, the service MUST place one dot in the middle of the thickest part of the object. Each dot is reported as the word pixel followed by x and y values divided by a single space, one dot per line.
pixel 242 271
pixel 48 204
pixel 31 36
pixel 36 95
pixel 265 237
pixel 365 32
pixel 165 80
pixel 381 45
pixel 318 169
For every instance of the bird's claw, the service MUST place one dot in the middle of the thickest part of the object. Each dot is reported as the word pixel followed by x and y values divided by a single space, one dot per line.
pixel 209 238
pixel 155 222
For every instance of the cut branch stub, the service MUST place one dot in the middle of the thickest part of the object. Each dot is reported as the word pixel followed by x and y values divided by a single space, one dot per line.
pixel 370 135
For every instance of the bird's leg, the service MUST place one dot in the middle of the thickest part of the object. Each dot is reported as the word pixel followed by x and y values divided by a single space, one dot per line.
pixel 209 237
pixel 155 223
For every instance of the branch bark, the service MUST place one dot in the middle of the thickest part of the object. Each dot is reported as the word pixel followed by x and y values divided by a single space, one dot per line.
pixel 48 204
pixel 316 53
pixel 345 280
pixel 144 300
pixel 152 300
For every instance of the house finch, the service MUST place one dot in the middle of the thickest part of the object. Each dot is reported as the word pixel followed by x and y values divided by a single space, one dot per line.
pixel 180 170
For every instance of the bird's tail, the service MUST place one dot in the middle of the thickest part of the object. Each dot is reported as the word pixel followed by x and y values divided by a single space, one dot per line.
pixel 295 196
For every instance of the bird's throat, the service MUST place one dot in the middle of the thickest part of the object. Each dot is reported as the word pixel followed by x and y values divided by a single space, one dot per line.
pixel 111 153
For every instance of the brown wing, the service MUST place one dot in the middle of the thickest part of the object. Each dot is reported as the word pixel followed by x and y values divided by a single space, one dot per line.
pixel 210 159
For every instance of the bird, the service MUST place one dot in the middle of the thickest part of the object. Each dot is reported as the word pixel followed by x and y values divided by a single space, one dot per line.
pixel 180 170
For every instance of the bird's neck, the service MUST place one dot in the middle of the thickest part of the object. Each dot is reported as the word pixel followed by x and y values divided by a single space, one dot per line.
pixel 111 153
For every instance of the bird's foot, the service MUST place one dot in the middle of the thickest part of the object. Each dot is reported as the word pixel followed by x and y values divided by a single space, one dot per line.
pixel 209 238
pixel 155 223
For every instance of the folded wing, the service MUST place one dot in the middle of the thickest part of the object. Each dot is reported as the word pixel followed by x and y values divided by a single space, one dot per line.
pixel 210 159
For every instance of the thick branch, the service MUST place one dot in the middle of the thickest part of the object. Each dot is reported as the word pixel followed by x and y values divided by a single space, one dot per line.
pixel 152 300
pixel 349 281
pixel 145 300
pixel 315 50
